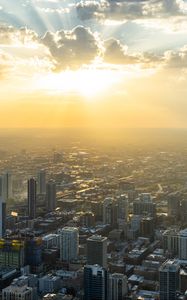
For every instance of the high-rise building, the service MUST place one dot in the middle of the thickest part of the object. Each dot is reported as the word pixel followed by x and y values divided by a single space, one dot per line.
pixel 171 241
pixel 144 205
pixel 41 184
pixel 12 253
pixel 51 196
pixel 109 211
pixel 6 186
pixel 118 286
pixel 169 279
pixel 183 244
pixel 2 211
pixel 2 217
pixel 69 243
pixel 123 209
pixel 183 211
pixel 95 283
pixel 97 209
pixel 147 227
pixel 34 252
pixel 174 205
pixel 97 250
pixel 31 198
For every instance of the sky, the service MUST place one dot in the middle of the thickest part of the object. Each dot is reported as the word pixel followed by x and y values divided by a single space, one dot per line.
pixel 93 63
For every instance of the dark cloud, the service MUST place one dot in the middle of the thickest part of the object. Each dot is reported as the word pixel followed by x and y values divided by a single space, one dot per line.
pixel 72 48
pixel 133 9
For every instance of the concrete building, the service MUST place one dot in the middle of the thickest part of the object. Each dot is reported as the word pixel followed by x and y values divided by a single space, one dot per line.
pixel 49 284
pixel 69 243
pixel 51 196
pixel 183 244
pixel 12 253
pixel 174 205
pixel 17 292
pixel 118 286
pixel 41 182
pixel 6 190
pixel 171 241
pixel 31 198
pixel 97 250
pixel 51 240
pixel 144 205
pixel 123 210
pixel 109 211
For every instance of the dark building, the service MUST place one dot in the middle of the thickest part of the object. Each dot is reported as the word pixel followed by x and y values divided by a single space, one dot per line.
pixel 51 196
pixel 144 208
pixel 169 280
pixel 147 227
pixel 97 250
pixel 32 198
pixel 34 252
pixel 174 205
pixel 12 253
pixel 41 182
pixel 95 283
pixel 2 208
pixel 183 212
pixel 87 219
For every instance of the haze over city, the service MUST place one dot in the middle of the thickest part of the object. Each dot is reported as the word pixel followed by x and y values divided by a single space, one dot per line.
pixel 93 149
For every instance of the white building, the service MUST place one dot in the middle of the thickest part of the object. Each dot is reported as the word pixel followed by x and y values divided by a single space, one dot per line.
pixel 16 292
pixel 51 240
pixel 69 243
pixel 49 284
pixel 183 244
pixel 118 286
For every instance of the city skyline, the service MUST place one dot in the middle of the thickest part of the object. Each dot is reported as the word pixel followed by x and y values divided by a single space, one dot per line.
pixel 93 63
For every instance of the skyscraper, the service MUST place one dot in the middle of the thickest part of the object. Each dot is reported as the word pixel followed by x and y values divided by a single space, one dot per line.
pixel 109 211
pixel 32 198
pixel 69 243
pixel 2 211
pixel 183 244
pixel 122 201
pixel 95 283
pixel 41 182
pixel 174 205
pixel 169 279
pixel 118 286
pixel 97 250
pixel 51 195
pixel 147 227
pixel 6 186
pixel 144 205
pixel 171 241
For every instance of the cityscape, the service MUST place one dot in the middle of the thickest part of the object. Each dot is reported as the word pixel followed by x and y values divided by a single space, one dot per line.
pixel 93 149
pixel 81 220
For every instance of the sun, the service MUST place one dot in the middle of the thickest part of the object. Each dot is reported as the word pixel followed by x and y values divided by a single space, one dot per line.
pixel 85 82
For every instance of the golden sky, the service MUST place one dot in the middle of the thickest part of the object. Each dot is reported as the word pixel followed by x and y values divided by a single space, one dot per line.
pixel 93 63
